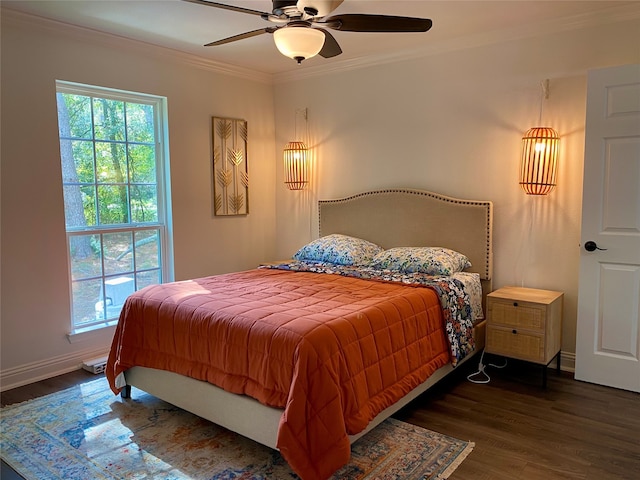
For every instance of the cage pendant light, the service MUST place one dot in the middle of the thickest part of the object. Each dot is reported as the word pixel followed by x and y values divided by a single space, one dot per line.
pixel 296 166
pixel 296 161
pixel 539 164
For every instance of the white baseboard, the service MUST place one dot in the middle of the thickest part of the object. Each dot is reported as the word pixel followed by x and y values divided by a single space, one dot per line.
pixel 47 368
pixel 568 361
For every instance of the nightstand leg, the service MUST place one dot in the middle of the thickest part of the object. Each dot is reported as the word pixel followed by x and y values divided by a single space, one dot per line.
pixel 544 370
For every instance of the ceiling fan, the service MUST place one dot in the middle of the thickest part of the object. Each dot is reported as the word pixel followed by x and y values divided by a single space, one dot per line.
pixel 298 31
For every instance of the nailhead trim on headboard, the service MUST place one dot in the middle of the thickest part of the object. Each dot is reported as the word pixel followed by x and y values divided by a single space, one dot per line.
pixel 486 204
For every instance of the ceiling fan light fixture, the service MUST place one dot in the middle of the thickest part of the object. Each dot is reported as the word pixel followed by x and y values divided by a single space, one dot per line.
pixel 299 42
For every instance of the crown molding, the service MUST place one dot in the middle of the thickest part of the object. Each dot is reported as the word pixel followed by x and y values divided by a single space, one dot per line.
pixel 88 35
pixel 615 14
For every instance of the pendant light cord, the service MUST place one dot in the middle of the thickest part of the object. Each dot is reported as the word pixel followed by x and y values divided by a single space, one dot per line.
pixel 544 95
pixel 303 112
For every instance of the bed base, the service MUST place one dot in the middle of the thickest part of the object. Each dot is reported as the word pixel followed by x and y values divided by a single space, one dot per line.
pixel 245 415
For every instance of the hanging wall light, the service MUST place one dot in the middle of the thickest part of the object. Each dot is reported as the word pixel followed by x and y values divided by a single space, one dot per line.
pixel 539 163
pixel 296 161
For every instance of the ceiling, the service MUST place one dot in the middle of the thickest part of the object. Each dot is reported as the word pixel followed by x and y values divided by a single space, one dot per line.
pixel 186 27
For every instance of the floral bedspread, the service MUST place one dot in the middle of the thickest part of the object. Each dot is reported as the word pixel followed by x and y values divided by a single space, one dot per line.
pixel 455 302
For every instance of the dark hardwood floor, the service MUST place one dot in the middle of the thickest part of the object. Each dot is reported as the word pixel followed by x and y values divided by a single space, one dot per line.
pixel 45 387
pixel 568 430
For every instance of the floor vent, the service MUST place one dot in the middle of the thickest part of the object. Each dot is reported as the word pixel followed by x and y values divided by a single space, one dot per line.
pixel 96 365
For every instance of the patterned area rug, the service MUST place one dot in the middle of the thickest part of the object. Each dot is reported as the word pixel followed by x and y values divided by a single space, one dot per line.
pixel 86 432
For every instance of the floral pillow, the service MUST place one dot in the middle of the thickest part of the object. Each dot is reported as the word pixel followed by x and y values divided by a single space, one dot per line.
pixel 339 249
pixel 428 260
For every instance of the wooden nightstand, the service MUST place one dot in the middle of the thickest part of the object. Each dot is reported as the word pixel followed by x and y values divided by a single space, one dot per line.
pixel 525 323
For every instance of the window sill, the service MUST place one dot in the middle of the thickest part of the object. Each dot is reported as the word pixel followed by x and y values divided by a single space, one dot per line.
pixel 93 332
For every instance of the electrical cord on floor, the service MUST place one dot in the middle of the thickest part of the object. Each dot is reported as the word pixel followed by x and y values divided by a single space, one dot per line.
pixel 482 370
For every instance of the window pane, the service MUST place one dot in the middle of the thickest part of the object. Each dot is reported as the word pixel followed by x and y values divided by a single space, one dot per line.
pixel 85 256
pixel 74 116
pixel 144 203
pixel 108 119
pixel 111 163
pixel 85 296
pixel 118 253
pixel 112 204
pixel 142 163
pixel 77 161
pixel 118 289
pixel 140 126
pixel 79 205
pixel 147 249
pixel 152 277
pixel 89 204
pixel 108 311
pixel 83 161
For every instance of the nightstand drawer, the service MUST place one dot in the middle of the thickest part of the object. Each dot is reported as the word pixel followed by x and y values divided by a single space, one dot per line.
pixel 521 345
pixel 518 314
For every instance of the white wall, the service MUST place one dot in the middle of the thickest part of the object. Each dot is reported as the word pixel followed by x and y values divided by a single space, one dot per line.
pixel 452 122
pixel 35 294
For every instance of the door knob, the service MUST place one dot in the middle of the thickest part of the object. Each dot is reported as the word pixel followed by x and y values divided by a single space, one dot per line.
pixel 591 246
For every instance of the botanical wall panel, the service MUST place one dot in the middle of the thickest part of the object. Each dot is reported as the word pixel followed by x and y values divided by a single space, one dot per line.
pixel 230 169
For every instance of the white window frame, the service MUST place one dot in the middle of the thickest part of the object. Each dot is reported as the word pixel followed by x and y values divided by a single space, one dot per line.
pixel 164 222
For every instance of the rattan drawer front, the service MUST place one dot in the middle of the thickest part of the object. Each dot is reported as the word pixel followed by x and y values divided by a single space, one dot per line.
pixel 518 314
pixel 515 344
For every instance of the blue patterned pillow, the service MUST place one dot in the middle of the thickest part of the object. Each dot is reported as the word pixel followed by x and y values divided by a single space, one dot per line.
pixel 428 260
pixel 339 249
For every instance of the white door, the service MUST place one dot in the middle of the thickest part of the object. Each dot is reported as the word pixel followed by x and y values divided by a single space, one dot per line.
pixel 608 333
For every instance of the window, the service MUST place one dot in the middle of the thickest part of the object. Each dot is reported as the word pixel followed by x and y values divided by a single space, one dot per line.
pixel 115 184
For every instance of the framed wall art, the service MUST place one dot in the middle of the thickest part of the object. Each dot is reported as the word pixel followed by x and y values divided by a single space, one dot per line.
pixel 230 169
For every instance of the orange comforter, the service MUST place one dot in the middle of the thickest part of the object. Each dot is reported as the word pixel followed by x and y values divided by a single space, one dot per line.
pixel 332 351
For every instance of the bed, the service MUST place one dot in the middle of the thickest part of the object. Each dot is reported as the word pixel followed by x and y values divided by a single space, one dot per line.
pixel 314 313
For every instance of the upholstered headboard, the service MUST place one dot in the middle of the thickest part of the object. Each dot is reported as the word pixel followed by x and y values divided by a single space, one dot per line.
pixel 404 217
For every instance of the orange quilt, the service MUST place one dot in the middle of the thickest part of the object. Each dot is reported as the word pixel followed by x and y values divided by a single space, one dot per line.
pixel 332 351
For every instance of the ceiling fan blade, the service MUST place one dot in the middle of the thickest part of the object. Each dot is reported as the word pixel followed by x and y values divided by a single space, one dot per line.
pixel 330 47
pixel 376 23
pixel 242 36
pixel 224 6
